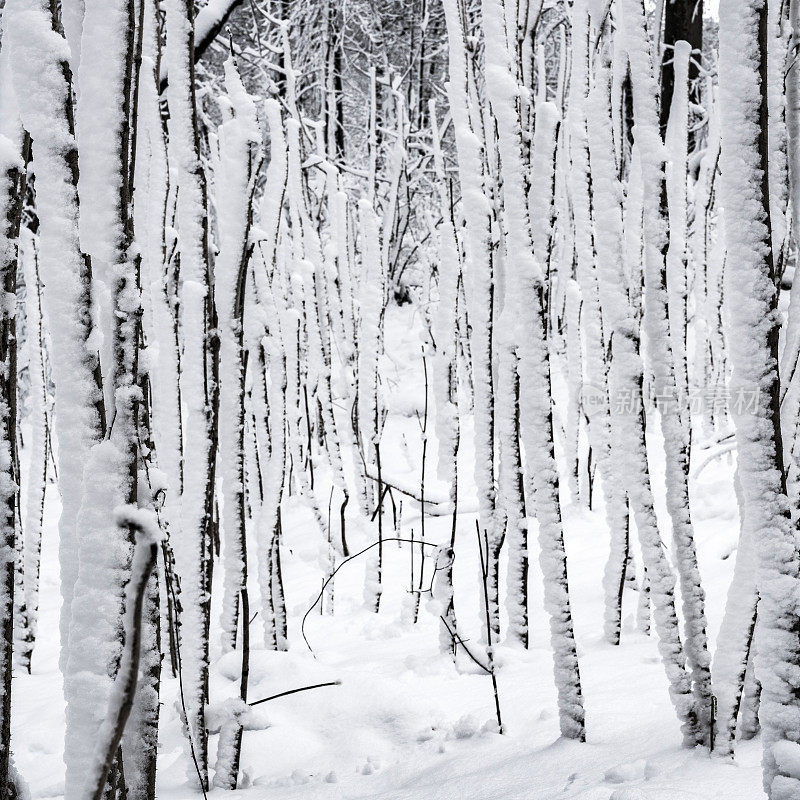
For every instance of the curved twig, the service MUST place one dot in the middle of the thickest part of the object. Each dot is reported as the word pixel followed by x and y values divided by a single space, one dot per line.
pixel 294 691
pixel 458 640
pixel 333 574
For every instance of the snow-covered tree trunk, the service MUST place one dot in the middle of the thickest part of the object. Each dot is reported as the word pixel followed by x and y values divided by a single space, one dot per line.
pixel 677 143
pixel 270 522
pixel 537 437
pixel 445 379
pixel 752 335
pixel 40 59
pixel 307 345
pixel 370 411
pixel 36 479
pixel 13 176
pixel 140 740
pixel 105 127
pixel 239 161
pixel 193 550
pixel 789 371
pixel 511 492
pixel 325 322
pixel 237 169
pixel 341 292
pixel 593 323
pixel 478 268
pixel 99 779
pixel 140 736
pixel 702 237
pixel 625 381
pixel 735 639
pixel 20 645
pixel 17 247
pixel 160 323
pixel 574 374
pixel 267 355
pixel 607 213
pixel 661 360
pixel 526 308
pixel 778 60
pixel 278 351
pixel 749 724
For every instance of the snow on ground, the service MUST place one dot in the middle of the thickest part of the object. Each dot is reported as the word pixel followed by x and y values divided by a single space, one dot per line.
pixel 405 724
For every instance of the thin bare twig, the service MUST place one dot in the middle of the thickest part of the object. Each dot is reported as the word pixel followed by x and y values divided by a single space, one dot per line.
pixel 331 576
pixel 294 691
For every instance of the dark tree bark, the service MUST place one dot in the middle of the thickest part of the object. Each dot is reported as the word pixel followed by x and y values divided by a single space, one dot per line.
pixel 334 95
pixel 207 26
pixel 683 20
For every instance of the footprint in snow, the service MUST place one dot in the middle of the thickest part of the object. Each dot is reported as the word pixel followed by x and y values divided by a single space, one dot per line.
pixel 627 794
pixel 623 773
pixel 372 765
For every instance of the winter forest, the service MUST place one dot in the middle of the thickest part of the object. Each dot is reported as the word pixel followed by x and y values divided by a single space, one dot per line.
pixel 400 399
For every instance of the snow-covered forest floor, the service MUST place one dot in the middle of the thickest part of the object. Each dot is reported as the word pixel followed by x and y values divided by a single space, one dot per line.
pixel 405 724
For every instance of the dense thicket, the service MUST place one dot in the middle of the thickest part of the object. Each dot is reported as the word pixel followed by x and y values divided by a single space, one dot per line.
pixel 208 213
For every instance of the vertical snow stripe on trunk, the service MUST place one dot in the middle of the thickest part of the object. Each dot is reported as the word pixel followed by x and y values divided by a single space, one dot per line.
pixel 239 159
pixel 752 335
pixel 661 360
pixel 524 321
pixel 615 310
pixel 479 265
pixel 192 551
pixel 110 474
pixel 13 176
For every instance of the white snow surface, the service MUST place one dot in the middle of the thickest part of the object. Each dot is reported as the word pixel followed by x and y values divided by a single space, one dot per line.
pixel 405 723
